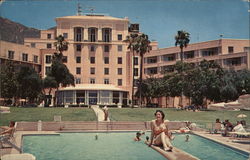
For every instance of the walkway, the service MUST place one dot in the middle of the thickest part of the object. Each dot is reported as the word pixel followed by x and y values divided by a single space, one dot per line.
pixel 99 113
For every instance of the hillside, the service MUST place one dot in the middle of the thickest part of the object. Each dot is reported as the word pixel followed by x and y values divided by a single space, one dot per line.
pixel 15 32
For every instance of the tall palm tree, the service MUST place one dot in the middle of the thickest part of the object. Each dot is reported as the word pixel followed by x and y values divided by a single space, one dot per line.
pixel 61 45
pixel 142 46
pixel 182 39
pixel 131 40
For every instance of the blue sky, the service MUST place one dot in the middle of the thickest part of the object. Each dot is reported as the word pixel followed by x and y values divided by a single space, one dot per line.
pixel 160 19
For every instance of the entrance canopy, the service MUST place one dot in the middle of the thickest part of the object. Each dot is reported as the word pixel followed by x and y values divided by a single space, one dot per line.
pixel 108 87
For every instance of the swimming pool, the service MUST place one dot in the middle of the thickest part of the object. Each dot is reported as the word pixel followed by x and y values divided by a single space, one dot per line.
pixel 79 146
pixel 119 146
pixel 205 149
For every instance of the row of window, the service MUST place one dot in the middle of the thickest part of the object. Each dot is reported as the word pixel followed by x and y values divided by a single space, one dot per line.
pixel 190 54
pixel 92 70
pixel 25 56
pixel 93 81
pixel 92 48
pixel 48 60
pixel 92 32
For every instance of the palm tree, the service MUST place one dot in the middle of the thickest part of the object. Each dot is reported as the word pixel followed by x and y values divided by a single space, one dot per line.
pixel 182 39
pixel 61 45
pixel 142 46
pixel 131 40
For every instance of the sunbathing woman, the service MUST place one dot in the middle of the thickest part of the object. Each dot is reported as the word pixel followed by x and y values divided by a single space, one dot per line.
pixel 8 129
pixel 159 132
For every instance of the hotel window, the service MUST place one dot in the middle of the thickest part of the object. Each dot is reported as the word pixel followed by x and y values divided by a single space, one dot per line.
pixel 230 49
pixel 78 59
pixel 47 70
pixel 106 60
pixel 135 60
pixel 92 60
pixel 106 81
pixel 119 60
pixel 78 70
pixel 35 59
pixel 33 45
pixel 25 57
pixel 106 48
pixel 106 71
pixel 119 37
pixel 136 73
pixel 48 59
pixel 78 47
pixel 92 80
pixel 119 48
pixel 65 35
pixel 106 34
pixel 92 48
pixel 119 71
pixel 119 81
pixel 92 34
pixel 64 59
pixel 49 45
pixel 92 70
pixel 78 80
pixel 49 36
pixel 78 34
pixel 11 54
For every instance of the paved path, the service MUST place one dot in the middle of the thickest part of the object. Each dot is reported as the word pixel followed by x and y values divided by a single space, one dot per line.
pixel 99 113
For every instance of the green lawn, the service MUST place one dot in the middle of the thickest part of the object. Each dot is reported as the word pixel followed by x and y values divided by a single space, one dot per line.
pixel 147 114
pixel 116 114
pixel 47 114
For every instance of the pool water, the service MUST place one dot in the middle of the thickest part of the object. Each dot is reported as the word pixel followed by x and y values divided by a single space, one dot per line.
pixel 119 146
pixel 205 149
pixel 83 146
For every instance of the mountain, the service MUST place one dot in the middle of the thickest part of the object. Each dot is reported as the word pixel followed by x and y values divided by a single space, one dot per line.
pixel 15 32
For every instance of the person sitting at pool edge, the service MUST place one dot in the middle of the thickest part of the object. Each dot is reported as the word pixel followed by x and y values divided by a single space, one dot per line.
pixel 159 132
pixel 138 136
pixel 8 129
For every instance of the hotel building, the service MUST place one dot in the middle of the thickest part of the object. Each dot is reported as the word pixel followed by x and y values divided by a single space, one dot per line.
pixel 228 53
pixel 97 56
pixel 102 65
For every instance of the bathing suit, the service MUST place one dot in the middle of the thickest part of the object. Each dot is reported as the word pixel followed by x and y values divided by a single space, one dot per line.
pixel 159 128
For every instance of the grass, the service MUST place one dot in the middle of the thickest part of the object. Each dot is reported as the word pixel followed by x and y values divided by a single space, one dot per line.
pixel 124 114
pixel 147 114
pixel 47 114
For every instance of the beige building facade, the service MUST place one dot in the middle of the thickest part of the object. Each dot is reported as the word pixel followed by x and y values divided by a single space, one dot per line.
pixel 229 53
pixel 97 56
pixel 20 54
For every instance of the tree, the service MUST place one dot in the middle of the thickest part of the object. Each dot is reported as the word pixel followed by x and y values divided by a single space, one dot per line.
pixel 131 40
pixel 29 83
pixel 8 81
pixel 182 39
pixel 142 46
pixel 59 71
pixel 61 45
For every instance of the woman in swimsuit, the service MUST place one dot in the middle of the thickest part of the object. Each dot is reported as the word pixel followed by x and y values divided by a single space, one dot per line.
pixel 159 132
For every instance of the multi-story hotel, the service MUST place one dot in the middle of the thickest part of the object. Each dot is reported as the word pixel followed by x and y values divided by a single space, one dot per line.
pixel 229 53
pixel 98 58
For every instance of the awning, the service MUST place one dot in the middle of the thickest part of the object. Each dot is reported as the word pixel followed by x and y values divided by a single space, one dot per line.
pixel 109 87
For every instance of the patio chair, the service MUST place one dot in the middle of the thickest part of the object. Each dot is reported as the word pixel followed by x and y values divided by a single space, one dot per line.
pixel 218 128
